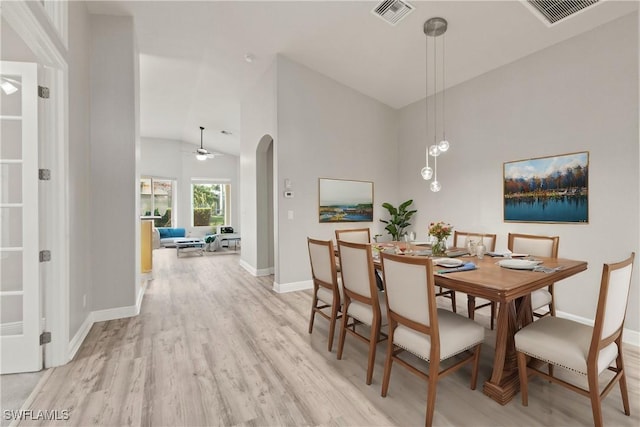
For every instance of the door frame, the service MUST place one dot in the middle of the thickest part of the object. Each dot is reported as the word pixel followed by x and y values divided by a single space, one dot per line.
pixel 30 21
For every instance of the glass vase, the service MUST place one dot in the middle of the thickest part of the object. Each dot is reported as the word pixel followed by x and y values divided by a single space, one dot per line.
pixel 439 247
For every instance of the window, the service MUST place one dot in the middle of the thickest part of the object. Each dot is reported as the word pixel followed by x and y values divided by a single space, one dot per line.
pixel 210 204
pixel 156 198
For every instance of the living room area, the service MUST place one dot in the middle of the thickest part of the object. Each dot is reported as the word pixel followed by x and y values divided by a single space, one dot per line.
pixel 192 203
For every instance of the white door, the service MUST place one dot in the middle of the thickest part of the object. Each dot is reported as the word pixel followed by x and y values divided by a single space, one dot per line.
pixel 20 311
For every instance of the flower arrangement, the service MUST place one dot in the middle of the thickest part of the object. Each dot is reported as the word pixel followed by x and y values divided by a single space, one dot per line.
pixel 440 230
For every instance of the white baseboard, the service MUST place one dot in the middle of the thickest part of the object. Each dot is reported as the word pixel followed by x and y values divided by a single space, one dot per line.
pixel 78 338
pixel 102 316
pixel 629 336
pixel 255 272
pixel 293 286
pixel 114 313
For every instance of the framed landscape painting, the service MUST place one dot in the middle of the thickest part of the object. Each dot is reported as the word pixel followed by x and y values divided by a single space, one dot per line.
pixel 342 200
pixel 547 189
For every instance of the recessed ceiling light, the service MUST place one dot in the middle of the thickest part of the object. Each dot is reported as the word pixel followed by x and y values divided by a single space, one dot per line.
pixel 249 57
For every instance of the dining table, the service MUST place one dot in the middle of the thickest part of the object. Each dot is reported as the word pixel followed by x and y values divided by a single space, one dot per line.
pixel 511 289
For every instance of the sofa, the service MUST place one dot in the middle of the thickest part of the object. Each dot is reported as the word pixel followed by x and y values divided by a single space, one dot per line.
pixel 168 236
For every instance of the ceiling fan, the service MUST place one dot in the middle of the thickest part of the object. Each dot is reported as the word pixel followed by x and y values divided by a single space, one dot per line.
pixel 202 153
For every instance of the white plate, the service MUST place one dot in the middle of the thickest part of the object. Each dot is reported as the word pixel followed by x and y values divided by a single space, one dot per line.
pixel 519 264
pixel 448 262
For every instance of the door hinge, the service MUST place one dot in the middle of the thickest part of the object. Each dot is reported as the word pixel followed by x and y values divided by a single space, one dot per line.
pixel 45 338
pixel 43 92
pixel 45 256
pixel 44 174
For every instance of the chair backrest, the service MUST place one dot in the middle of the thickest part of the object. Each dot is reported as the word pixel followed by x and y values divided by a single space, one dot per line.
pixel 613 299
pixel 358 274
pixel 323 263
pixel 460 239
pixel 409 290
pixel 354 235
pixel 530 244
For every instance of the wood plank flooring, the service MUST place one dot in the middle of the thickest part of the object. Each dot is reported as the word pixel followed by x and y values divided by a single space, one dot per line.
pixel 215 346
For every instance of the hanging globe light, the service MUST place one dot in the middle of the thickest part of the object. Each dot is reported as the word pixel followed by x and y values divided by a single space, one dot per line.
pixel 426 173
pixel 435 186
pixel 434 151
pixel 443 145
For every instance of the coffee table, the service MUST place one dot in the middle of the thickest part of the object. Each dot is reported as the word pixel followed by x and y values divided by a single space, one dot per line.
pixel 190 245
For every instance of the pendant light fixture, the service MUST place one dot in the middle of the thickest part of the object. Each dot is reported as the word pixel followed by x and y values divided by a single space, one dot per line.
pixel 434 28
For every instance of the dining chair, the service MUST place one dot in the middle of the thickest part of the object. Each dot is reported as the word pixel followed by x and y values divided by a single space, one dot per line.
pixel 546 246
pixel 327 287
pixel 418 326
pixel 354 235
pixel 460 239
pixel 586 350
pixel 362 301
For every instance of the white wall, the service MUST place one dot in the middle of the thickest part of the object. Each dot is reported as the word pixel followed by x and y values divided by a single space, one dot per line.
pixel 579 95
pixel 80 196
pixel 326 130
pixel 114 218
pixel 172 159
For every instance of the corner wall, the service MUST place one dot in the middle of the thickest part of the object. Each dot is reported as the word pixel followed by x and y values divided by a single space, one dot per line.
pixel 579 95
pixel 114 218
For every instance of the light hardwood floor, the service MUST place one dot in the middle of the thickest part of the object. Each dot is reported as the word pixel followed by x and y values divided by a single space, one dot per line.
pixel 215 346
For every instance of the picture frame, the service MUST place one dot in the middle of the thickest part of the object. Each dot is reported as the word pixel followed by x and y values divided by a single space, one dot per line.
pixel 342 200
pixel 552 189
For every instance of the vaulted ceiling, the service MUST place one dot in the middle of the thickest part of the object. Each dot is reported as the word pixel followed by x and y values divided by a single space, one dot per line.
pixel 194 72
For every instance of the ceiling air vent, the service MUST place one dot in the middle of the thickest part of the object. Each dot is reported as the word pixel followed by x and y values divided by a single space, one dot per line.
pixel 392 11
pixel 555 10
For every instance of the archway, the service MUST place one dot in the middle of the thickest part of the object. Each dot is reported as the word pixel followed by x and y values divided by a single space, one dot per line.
pixel 265 225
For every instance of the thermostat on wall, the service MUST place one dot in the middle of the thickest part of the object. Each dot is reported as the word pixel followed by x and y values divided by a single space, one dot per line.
pixel 288 194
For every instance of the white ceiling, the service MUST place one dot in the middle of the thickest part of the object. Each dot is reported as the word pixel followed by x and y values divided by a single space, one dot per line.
pixel 193 72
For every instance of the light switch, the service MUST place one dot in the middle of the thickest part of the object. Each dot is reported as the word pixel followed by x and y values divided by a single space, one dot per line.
pixel 289 214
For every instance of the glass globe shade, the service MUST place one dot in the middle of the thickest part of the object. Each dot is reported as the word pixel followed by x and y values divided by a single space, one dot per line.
pixel 426 173
pixel 434 151
pixel 443 145
pixel 201 157
pixel 435 186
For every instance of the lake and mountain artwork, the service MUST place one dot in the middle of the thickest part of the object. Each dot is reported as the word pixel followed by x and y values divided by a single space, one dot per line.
pixel 547 189
pixel 345 201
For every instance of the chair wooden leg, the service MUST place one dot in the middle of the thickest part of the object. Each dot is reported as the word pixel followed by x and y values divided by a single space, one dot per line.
pixel 314 303
pixel 474 371
pixel 522 372
pixel 373 342
pixel 332 325
pixel 471 306
pixel 552 306
pixel 343 333
pixel 431 393
pixel 623 382
pixel 388 362
pixel 453 301
pixel 594 394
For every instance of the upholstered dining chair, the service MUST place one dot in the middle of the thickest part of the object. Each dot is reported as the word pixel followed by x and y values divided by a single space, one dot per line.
pixel 416 325
pixel 327 287
pixel 583 349
pixel 354 235
pixel 534 245
pixel 362 301
pixel 460 239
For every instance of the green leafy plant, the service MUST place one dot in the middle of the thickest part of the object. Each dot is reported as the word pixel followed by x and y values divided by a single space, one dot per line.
pixel 399 220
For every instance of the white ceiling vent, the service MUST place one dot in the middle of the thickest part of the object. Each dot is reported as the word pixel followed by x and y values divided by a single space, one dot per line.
pixel 392 11
pixel 556 10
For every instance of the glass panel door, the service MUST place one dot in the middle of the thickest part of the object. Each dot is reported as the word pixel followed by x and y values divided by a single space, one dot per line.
pixel 19 263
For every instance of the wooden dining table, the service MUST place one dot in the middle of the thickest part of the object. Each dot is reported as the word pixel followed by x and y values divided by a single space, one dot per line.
pixel 511 289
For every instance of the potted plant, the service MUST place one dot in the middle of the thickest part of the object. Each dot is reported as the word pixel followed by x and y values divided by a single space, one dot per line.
pixel 399 220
